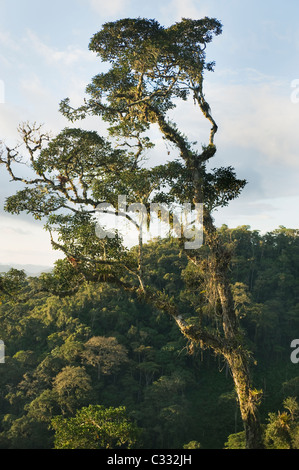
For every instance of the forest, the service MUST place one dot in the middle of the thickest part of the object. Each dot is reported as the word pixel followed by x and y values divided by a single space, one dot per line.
pixel 181 341
pixel 103 348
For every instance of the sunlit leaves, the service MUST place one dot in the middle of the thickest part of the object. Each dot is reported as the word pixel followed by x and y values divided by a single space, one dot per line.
pixel 151 65
pixel 96 427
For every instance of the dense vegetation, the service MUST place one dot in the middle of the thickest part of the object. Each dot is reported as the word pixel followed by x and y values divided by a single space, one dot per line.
pixel 103 353
pixel 152 69
pixel 95 359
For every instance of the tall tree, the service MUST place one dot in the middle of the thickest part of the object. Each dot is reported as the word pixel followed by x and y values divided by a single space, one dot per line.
pixel 152 69
pixel 104 353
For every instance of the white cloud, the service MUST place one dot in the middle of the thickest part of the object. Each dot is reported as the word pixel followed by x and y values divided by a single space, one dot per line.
pixel 10 118
pixel 110 7
pixel 255 113
pixel 257 136
pixel 7 41
pixel 261 117
pixel 264 215
pixel 9 47
pixel 187 9
pixel 24 242
pixel 33 86
pixel 67 57
pixel 175 10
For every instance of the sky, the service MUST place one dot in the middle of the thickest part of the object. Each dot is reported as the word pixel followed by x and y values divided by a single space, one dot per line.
pixel 253 94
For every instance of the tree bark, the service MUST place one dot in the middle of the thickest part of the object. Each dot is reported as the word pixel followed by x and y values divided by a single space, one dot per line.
pixel 247 400
pixel 230 344
pixel 236 355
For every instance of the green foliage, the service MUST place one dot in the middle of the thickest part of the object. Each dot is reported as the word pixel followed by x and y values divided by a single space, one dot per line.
pixel 55 346
pixel 11 283
pixel 95 330
pixel 72 386
pixel 281 430
pixel 104 353
pixel 192 445
pixel 95 427
pixel 236 441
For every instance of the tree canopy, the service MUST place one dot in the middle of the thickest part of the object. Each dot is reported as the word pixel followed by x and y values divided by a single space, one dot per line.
pixel 175 391
pixel 152 69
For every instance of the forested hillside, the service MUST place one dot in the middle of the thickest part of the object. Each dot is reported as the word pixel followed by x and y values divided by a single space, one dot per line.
pixel 103 347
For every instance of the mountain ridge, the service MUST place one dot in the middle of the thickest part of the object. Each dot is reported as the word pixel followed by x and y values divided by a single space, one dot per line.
pixel 33 270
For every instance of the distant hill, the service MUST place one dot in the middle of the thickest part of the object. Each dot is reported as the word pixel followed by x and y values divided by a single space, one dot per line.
pixel 30 269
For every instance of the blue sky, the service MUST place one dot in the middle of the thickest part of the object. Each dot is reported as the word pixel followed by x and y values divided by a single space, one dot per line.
pixel 44 58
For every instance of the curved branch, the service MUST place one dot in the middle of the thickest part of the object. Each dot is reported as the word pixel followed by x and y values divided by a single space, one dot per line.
pixel 205 108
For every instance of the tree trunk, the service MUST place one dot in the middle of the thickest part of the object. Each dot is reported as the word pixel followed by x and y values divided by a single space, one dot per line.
pixel 247 399
pixel 234 352
pixel 216 268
